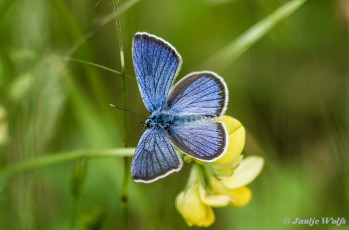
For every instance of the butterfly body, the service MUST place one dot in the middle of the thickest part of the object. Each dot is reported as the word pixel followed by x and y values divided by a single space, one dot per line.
pixel 160 119
pixel 166 119
pixel 181 117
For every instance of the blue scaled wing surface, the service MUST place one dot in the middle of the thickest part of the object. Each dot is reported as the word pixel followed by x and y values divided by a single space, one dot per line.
pixel 203 141
pixel 155 157
pixel 203 94
pixel 156 65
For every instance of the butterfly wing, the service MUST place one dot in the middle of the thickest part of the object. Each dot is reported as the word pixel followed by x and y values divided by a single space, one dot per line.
pixel 200 93
pixel 203 141
pixel 156 65
pixel 155 157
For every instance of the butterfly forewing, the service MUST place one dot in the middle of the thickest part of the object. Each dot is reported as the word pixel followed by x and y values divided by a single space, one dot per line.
pixel 154 157
pixel 203 93
pixel 203 141
pixel 156 65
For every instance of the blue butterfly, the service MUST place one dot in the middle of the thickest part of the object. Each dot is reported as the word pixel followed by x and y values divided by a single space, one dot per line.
pixel 182 117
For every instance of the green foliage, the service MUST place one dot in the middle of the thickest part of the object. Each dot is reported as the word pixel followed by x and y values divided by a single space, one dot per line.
pixel 289 89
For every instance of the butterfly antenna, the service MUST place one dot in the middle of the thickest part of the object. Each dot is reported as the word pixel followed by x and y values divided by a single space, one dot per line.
pixel 117 107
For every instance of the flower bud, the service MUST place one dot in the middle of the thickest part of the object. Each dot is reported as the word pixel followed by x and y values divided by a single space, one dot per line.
pixel 78 178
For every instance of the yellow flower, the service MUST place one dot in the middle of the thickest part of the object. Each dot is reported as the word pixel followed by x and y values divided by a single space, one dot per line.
pixel 219 183
pixel 245 173
pixel 196 202
pixel 234 186
pixel 232 197
pixel 189 202
pixel 193 209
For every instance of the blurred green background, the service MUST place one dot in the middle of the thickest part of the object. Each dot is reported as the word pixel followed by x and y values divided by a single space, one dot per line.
pixel 290 90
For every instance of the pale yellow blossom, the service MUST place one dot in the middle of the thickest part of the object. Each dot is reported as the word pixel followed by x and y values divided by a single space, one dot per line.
pixel 193 209
pixel 219 183
pixel 234 187
pixel 189 202
pixel 245 173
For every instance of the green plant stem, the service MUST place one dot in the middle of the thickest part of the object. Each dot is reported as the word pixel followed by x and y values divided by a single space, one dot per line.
pixel 99 66
pixel 75 213
pixel 51 159
pixel 122 60
pixel 124 195
pixel 104 21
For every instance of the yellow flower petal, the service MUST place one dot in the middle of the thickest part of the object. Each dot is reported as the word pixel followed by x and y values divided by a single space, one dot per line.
pixel 210 217
pixel 236 140
pixel 241 195
pixel 226 170
pixel 231 123
pixel 238 197
pixel 245 173
pixel 215 200
pixel 193 210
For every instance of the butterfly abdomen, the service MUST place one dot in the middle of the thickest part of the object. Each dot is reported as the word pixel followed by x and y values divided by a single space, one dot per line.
pixel 193 119
pixel 165 119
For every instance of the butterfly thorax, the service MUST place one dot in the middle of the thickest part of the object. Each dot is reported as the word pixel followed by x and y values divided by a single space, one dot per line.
pixel 165 119
pixel 159 119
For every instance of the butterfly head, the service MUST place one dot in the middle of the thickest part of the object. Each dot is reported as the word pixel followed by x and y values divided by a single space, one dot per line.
pixel 147 123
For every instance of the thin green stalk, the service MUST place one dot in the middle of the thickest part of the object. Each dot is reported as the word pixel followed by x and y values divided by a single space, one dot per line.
pixel 124 195
pixel 75 214
pixel 99 66
pixel 104 21
pixel 57 158
pixel 98 87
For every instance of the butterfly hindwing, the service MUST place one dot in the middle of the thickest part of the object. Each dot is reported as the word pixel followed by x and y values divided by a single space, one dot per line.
pixel 203 93
pixel 156 65
pixel 203 141
pixel 154 157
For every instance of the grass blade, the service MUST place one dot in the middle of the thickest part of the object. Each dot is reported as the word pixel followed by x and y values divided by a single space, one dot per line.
pixel 228 54
pixel 99 66
pixel 51 159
